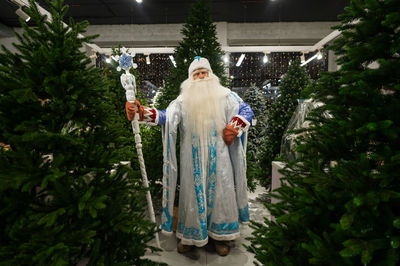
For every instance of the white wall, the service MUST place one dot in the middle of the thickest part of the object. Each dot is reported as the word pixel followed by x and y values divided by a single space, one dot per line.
pixel 229 34
pixel 7 36
pixel 278 33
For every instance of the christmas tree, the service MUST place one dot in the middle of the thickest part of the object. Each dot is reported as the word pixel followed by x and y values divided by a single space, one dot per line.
pixel 64 194
pixel 340 204
pixel 279 115
pixel 253 96
pixel 199 39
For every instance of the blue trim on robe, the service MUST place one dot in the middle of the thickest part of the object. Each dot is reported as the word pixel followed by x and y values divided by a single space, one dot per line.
pixel 218 229
pixel 167 225
pixel 189 233
pixel 225 228
pixel 198 186
pixel 244 215
pixel 212 173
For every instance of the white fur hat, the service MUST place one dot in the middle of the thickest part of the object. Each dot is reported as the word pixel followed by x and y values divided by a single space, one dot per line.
pixel 199 62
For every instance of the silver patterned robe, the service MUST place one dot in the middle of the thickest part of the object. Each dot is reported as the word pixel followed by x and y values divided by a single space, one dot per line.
pixel 212 199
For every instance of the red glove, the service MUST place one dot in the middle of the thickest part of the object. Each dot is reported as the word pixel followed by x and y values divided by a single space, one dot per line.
pixel 229 134
pixel 140 109
pixel 131 110
pixel 146 114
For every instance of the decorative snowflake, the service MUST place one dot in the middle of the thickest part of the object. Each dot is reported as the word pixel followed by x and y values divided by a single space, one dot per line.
pixel 125 60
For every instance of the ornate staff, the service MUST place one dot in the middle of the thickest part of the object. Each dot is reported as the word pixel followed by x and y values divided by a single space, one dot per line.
pixel 128 81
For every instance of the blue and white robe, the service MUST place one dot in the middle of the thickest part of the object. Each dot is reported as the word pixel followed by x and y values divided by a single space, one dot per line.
pixel 213 200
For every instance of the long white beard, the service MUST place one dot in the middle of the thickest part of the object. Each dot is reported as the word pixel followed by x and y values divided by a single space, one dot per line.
pixel 204 103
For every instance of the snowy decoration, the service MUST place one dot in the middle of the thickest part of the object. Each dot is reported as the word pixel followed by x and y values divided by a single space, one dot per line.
pixel 125 60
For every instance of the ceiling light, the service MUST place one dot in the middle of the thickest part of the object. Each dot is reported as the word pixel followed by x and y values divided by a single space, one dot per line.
pixel 309 59
pixel 139 1
pixel 19 11
pixel 226 59
pixel 171 57
pixel 302 58
pixel 22 14
pixel 265 58
pixel 239 62
pixel 147 58
pixel 319 55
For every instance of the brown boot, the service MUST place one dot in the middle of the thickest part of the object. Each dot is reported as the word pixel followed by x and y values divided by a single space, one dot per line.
pixel 183 248
pixel 221 248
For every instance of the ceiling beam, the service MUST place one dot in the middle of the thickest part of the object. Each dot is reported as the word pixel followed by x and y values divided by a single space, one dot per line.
pixel 49 19
pixel 227 49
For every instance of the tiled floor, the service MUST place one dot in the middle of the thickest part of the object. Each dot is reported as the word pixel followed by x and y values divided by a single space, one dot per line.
pixel 206 255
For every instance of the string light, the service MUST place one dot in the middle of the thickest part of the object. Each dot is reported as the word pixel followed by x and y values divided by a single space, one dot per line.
pixel 21 12
pixel 302 58
pixel 319 55
pixel 171 57
pixel 239 62
pixel 147 59
pixel 226 59
pixel 265 58
pixel 251 71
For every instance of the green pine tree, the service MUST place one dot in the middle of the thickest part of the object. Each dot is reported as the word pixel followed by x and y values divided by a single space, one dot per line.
pixel 293 82
pixel 254 97
pixel 341 203
pixel 62 197
pixel 199 39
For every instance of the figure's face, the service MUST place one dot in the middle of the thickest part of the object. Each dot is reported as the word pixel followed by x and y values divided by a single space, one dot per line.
pixel 200 73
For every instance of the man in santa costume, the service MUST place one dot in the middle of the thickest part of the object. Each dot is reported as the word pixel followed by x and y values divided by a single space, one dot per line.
pixel 213 191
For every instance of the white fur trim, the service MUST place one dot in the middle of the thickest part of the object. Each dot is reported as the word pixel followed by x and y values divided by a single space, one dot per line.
pixel 223 237
pixel 201 243
pixel 192 242
pixel 166 233
pixel 248 222
pixel 196 64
